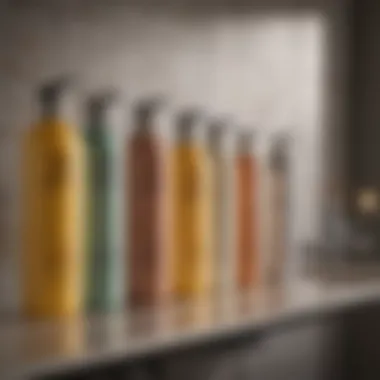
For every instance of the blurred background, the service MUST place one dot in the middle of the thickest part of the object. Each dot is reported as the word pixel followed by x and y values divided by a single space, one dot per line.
pixel 268 67
pixel 303 70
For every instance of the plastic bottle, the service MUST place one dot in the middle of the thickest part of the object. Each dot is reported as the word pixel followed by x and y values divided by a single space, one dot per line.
pixel 192 209
pixel 104 258
pixel 53 211
pixel 147 222
pixel 246 213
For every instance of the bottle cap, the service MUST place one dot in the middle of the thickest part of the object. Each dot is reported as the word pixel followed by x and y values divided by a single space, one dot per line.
pixel 99 103
pixel 102 99
pixel 50 91
pixel 145 110
pixel 188 123
pixel 245 140
pixel 50 94
pixel 279 152
pixel 218 129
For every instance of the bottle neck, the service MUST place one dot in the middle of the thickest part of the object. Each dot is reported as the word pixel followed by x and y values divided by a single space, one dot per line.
pixel 218 140
pixel 245 148
pixel 98 118
pixel 50 111
pixel 144 125
pixel 190 134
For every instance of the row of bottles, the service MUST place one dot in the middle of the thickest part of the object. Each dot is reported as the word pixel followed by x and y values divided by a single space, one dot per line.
pixel 190 210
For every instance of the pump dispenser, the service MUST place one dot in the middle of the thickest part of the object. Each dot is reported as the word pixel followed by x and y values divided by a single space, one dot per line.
pixel 147 216
pixel 104 261
pixel 53 224
pixel 192 208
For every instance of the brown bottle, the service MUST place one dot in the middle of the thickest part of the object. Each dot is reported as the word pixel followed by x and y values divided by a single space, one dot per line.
pixel 147 236
pixel 246 213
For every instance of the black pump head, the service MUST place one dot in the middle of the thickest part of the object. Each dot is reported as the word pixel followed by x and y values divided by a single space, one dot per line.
pixel 218 127
pixel 146 108
pixel 279 152
pixel 188 118
pixel 246 138
pixel 50 94
pixel 99 102
pixel 51 91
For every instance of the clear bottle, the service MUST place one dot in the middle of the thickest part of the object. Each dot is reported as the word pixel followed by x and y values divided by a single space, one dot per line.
pixel 219 143
pixel 279 161
pixel 192 209
pixel 53 211
pixel 247 211
pixel 104 259
pixel 147 222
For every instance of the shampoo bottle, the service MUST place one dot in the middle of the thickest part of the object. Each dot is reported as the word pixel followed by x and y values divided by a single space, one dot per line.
pixel 53 211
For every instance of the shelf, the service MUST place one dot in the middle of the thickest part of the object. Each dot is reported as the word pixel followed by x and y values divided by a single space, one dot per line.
pixel 38 348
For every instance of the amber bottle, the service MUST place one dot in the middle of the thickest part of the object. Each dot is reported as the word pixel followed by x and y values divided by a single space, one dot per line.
pixel 148 253
pixel 246 172
pixel 192 216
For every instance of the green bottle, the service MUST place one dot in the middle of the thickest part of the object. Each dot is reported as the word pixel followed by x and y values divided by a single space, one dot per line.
pixel 104 264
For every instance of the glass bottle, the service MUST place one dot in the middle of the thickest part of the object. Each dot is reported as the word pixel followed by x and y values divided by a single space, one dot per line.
pixel 53 214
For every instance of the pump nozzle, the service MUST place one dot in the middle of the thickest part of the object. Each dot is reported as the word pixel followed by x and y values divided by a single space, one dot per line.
pixel 187 120
pixel 146 108
pixel 279 151
pixel 98 106
pixel 50 94
pixel 246 137
pixel 217 127
pixel 99 102
pixel 50 91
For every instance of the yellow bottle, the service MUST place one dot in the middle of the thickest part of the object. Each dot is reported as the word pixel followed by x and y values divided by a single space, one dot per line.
pixel 53 234
pixel 192 216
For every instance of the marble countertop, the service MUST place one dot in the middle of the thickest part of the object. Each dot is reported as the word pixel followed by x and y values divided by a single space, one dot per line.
pixel 38 348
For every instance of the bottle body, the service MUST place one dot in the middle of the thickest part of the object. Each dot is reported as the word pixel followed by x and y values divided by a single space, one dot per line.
pixel 222 221
pixel 147 225
pixel 53 220
pixel 104 264
pixel 279 193
pixel 246 223
pixel 192 221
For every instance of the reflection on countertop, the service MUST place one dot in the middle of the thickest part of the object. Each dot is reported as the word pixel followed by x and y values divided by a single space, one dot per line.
pixel 34 348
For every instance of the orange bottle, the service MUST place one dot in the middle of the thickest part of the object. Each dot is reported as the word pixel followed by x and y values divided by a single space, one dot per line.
pixel 246 214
